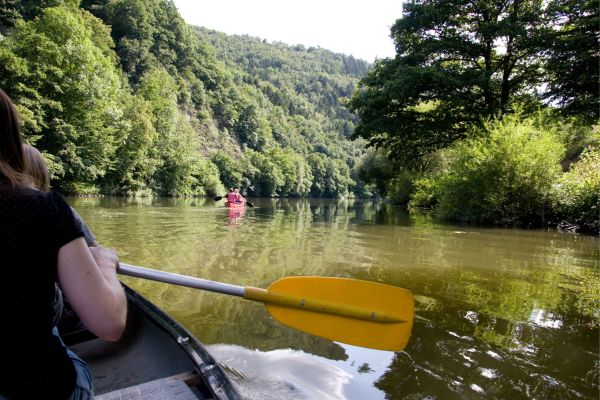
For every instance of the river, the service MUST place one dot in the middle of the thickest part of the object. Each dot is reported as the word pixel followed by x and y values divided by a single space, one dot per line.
pixel 500 313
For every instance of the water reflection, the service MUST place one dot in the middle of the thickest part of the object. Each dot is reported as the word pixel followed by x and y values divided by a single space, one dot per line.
pixel 236 214
pixel 545 319
pixel 500 313
pixel 440 364
pixel 281 374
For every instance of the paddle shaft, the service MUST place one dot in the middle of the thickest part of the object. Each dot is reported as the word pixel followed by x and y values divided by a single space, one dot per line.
pixel 181 280
pixel 258 294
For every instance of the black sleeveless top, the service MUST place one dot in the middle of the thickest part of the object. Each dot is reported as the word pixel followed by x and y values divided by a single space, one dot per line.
pixel 33 226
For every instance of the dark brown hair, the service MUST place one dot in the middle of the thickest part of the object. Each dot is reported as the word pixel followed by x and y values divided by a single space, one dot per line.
pixel 12 164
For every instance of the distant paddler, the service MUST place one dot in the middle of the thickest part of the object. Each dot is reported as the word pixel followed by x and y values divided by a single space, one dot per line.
pixel 238 199
pixel 235 199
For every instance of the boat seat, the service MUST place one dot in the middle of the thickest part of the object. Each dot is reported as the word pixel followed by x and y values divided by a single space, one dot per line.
pixel 160 389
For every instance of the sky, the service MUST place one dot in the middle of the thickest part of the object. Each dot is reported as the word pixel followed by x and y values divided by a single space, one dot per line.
pixel 354 27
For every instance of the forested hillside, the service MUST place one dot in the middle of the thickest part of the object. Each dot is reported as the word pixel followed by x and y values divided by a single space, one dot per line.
pixel 123 97
pixel 301 91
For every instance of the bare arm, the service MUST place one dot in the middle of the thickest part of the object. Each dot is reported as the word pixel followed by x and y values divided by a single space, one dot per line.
pixel 89 280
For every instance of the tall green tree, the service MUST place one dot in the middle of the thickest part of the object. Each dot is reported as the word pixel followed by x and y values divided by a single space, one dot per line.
pixel 253 128
pixel 573 58
pixel 13 10
pixel 265 175
pixel 67 89
pixel 229 169
pixel 9 14
pixel 177 142
pixel 296 172
pixel 457 61
pixel 136 158
pixel 132 31
pixel 331 177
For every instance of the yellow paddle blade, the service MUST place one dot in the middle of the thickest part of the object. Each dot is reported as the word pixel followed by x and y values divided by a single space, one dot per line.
pixel 356 312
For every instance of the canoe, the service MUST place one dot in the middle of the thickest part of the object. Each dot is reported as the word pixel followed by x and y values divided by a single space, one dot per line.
pixel 234 205
pixel 156 358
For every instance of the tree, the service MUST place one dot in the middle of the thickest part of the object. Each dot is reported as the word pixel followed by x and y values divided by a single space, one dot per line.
pixel 572 58
pixel 376 168
pixel 297 176
pixel 67 90
pixel 132 31
pixel 229 170
pixel 577 196
pixel 136 159
pixel 9 14
pixel 457 61
pixel 265 175
pixel 331 177
pixel 13 10
pixel 181 168
pixel 505 176
pixel 253 128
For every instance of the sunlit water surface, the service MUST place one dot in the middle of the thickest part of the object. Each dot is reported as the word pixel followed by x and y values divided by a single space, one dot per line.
pixel 500 313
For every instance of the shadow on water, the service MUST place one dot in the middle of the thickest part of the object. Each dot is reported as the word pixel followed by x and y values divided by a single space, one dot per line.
pixel 501 313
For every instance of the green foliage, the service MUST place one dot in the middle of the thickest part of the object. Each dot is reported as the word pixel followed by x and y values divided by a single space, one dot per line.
pixel 149 34
pixel 296 172
pixel 135 159
pixel 575 134
pixel 180 167
pixel 331 177
pixel 572 59
pixel 290 98
pixel 505 177
pixel 9 14
pixel 207 175
pixel 67 89
pixel 376 168
pixel 401 187
pixel 577 194
pixel 123 97
pixel 461 62
pixel 230 171
pixel 447 59
pixel 277 172
pixel 12 11
pixel 265 175
pixel 425 193
pixel 253 128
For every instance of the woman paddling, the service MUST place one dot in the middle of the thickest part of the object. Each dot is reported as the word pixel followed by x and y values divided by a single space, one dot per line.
pixel 40 245
pixel 237 197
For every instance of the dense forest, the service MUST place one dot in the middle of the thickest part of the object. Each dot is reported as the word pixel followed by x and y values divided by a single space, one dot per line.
pixel 123 97
pixel 488 113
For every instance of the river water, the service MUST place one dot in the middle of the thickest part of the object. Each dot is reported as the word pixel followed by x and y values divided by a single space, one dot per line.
pixel 500 313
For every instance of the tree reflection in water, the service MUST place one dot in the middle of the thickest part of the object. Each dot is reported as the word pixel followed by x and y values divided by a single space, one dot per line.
pixel 281 374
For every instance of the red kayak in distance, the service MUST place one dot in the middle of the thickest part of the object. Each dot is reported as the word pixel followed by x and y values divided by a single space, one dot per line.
pixel 234 205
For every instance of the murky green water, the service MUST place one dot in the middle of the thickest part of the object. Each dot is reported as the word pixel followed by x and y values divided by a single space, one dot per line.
pixel 500 313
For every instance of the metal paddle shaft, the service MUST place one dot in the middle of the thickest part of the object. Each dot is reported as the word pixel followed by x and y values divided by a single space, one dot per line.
pixel 181 280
